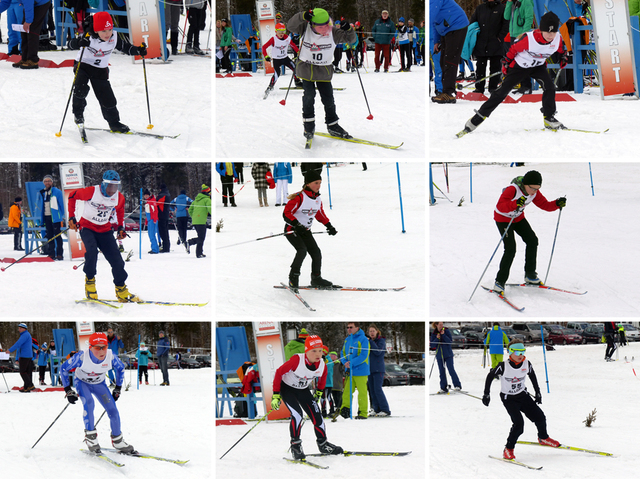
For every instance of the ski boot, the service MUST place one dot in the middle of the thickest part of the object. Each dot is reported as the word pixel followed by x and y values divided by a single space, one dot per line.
pixel 532 278
pixel 551 123
pixel 294 279
pixel 498 287
pixel 122 447
pixel 187 246
pixel 508 454
pixel 548 442
pixel 309 128
pixel 474 122
pixel 319 282
pixel 296 449
pixel 78 119
pixel 336 130
pixel 325 447
pixel 118 127
pixel 124 296
pixel 297 82
pixel 189 48
pixel 121 248
pixel 90 288
pixel 267 91
pixel 91 438
pixel 345 412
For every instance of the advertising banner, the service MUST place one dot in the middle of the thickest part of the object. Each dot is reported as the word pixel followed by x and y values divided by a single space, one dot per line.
pixel 270 351
pixel 267 18
pixel 145 26
pixel 72 178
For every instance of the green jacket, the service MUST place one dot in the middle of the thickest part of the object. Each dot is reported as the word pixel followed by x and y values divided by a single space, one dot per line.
pixel 522 20
pixel 200 209
pixel 634 7
pixel 227 37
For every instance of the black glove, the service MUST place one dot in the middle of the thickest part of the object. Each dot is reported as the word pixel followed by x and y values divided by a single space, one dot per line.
pixel 308 15
pixel 116 393
pixel 486 399
pixel 142 50
pixel 267 58
pixel 538 397
pixel 521 201
pixel 298 229
pixel 564 60
pixel 561 202
pixel 345 26
pixel 71 395
pixel 73 224
pixel 122 234
pixel 84 41
pixel 331 230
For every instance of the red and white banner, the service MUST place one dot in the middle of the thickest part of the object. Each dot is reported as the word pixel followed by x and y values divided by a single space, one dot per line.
pixel 270 351
pixel 84 329
pixel 614 48
pixel 72 178
pixel 267 17
pixel 144 26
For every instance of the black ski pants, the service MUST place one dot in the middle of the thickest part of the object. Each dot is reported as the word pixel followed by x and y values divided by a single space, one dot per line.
pixel 99 78
pixel 106 243
pixel 481 72
pixel 299 402
pixel 26 370
pixel 227 189
pixel 163 229
pixel 201 230
pixel 326 95
pixel 277 64
pixel 305 243
pixel 31 40
pixel 518 405
pixel 451 47
pixel 520 75
pixel 523 229
pixel 54 247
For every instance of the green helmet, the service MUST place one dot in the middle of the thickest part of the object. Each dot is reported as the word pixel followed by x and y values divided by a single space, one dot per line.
pixel 320 16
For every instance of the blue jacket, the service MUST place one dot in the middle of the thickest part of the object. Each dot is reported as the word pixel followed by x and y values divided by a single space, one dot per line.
pixel 497 340
pixel 143 357
pixel 470 40
pixel 29 5
pixel 163 347
pixel 442 345
pixel 445 16
pixel 43 357
pixel 57 213
pixel 222 169
pixel 181 204
pixel 115 344
pixel 378 350
pixel 356 351
pixel 282 171
pixel 23 345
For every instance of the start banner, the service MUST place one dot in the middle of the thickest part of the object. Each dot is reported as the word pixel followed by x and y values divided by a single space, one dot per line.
pixel 267 18
pixel 270 351
pixel 72 178
pixel 145 26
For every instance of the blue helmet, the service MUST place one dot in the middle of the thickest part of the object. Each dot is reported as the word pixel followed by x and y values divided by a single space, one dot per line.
pixel 110 177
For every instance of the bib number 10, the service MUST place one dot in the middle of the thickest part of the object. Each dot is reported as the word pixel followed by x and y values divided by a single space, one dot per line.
pixel 317 57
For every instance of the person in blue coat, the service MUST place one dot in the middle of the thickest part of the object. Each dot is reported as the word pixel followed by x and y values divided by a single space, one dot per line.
pixel 283 176
pixel 497 340
pixel 441 339
pixel 143 355
pixel 180 204
pixel 15 14
pixel 35 13
pixel 43 360
pixel 51 207
pixel 227 172
pixel 163 357
pixel 115 344
pixel 23 348
pixel 448 30
pixel 378 345
pixel 355 357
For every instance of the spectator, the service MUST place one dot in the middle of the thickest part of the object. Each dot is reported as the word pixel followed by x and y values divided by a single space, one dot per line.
pixel 163 357
pixel 15 14
pixel 172 9
pixel 448 29
pixel 164 206
pixel 196 13
pixel 296 346
pixel 490 41
pixel 338 382
pixel 143 354
pixel 355 357
pixel 23 348
pixel 200 210
pixel 497 340
pixel 51 205
pixel 441 339
pixel 413 40
pixel 43 359
pixel 15 223
pixel 521 18
pixel 361 47
pixel 383 31
pixel 421 36
pixel 378 345
pixel 115 344
pixel 227 172
pixel 240 171
pixel 35 14
pixel 219 54
pixel 327 397
pixel 404 39
pixel 634 7
pixel 610 332
pixel 283 174
pixel 181 205
pixel 225 44
pixel 151 212
pixel 259 174
pixel 178 357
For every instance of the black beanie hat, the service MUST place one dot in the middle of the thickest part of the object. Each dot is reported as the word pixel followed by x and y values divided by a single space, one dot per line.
pixel 549 22
pixel 17 199
pixel 310 176
pixel 532 178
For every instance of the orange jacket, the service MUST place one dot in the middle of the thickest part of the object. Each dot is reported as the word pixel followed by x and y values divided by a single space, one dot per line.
pixel 15 216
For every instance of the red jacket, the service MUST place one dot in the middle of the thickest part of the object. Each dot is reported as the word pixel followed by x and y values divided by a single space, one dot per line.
pixel 507 203
pixel 153 208
pixel 85 194
pixel 293 205
pixel 291 365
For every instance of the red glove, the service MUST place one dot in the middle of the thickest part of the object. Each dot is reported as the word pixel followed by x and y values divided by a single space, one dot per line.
pixel 506 64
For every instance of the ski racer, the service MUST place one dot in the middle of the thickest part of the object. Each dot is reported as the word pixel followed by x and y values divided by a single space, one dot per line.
pixel 526 59
pixel 291 385
pixel 95 231
pixel 91 367
pixel 279 45
pixel 92 65
pixel 516 399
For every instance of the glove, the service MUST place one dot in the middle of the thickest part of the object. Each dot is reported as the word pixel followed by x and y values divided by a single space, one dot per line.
pixel 345 26
pixel 331 230
pixel 116 393
pixel 564 60
pixel 298 229
pixel 561 202
pixel 73 224
pixel 142 50
pixel 308 15
pixel 267 59
pixel 122 234
pixel 71 395
pixel 275 401
pixel 538 397
pixel 521 201
pixel 506 64
pixel 317 395
pixel 84 41
pixel 486 399
pixel 436 48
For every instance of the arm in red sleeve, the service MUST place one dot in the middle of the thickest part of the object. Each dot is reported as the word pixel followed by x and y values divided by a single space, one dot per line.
pixel 541 202
pixel 295 48
pixel 290 208
pixel 82 194
pixel 265 46
pixel 290 365
pixel 120 209
pixel 321 216
pixel 519 46
pixel 322 382
pixel 506 203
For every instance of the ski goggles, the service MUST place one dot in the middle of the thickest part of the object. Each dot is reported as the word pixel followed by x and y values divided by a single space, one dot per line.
pixel 518 349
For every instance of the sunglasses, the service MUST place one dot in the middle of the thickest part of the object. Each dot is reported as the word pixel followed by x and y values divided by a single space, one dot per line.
pixel 518 352
pixel 99 348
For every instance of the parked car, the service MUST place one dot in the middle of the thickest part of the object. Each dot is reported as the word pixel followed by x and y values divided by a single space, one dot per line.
pixel 475 339
pixel 513 334
pixel 531 331
pixel 631 332
pixel 459 340
pixel 131 225
pixel 185 363
pixel 593 333
pixel 416 376
pixel 151 365
pixel 563 336
pixel 371 45
pixel 126 360
pixel 412 365
pixel 394 375
pixel 203 359
pixel 577 326
pixel 4 226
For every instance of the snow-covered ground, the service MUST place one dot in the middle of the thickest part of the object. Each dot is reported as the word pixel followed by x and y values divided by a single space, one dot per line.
pixel 33 104
pixel 463 432
pixel 249 127
pixel 369 250
pixel 50 289
pixel 173 422
pixel 594 249
pixel 503 134
pixel 260 452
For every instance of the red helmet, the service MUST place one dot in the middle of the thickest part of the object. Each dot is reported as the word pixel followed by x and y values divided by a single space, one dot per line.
pixel 280 27
pixel 357 24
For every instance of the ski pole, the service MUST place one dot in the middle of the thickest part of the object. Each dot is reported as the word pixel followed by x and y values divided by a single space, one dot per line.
pixel 460 87
pixel 5 381
pixel 434 360
pixel 554 246
pixel 370 117
pixel 96 423
pixel 75 77
pixel 261 419
pixel 494 252
pixel 54 421
pixel 28 254
pixel 544 352
pixel 146 88
pixel 267 237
